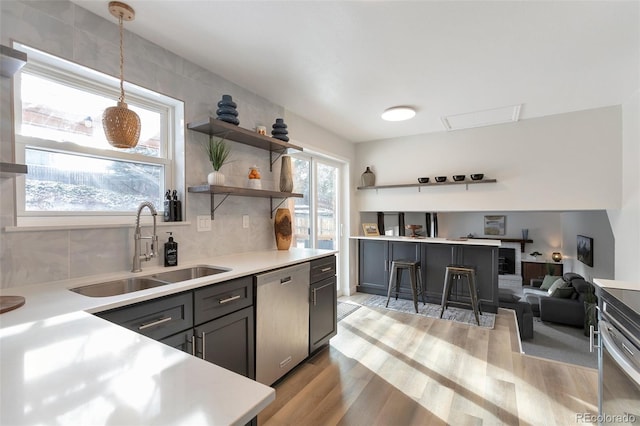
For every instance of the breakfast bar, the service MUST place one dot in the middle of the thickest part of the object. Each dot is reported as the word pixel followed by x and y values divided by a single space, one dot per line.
pixel 377 252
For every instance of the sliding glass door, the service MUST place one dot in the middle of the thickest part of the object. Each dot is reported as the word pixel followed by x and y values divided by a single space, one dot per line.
pixel 316 214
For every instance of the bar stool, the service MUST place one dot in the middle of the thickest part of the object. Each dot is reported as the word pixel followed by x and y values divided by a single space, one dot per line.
pixel 457 272
pixel 415 277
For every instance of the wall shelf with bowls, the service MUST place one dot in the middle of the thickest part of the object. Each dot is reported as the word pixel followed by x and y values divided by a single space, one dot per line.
pixel 466 182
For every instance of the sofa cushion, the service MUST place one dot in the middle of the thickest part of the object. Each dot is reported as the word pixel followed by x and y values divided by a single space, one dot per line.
pixel 507 297
pixel 559 283
pixel 570 276
pixel 564 292
pixel 548 281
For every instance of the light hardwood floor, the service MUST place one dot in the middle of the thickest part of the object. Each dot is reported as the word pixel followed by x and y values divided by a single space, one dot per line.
pixel 391 368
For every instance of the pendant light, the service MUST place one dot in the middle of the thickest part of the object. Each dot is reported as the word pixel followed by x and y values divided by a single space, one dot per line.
pixel 121 125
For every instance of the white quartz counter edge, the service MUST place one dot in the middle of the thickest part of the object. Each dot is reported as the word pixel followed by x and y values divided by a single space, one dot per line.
pixel 51 299
pixel 623 285
pixel 64 365
pixel 429 240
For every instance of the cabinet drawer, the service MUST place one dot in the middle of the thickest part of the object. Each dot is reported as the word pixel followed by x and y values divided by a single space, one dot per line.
pixel 157 318
pixel 323 268
pixel 220 299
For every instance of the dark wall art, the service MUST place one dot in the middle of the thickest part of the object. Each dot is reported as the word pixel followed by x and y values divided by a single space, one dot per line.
pixel 585 250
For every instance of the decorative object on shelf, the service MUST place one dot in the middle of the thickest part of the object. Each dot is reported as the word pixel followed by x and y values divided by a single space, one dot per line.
pixel 368 178
pixel 423 180
pixel 585 250
pixel 218 152
pixel 441 179
pixel 401 227
pixel 535 254
pixel 286 175
pixel 380 217
pixel 413 229
pixel 434 225
pixel 283 229
pixel 525 234
pixel 494 225
pixel 279 130
pixel 477 176
pixel 370 229
pixel 458 178
pixel 121 125
pixel 227 111
pixel 261 130
pixel 556 256
pixel 254 178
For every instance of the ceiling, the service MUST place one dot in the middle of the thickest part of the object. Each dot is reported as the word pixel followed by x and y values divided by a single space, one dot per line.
pixel 339 64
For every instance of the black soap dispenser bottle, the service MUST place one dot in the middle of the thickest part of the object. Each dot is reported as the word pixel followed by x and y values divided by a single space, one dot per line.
pixel 170 251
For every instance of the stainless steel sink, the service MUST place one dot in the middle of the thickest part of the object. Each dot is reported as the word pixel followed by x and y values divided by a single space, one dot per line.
pixel 188 273
pixel 128 285
pixel 114 288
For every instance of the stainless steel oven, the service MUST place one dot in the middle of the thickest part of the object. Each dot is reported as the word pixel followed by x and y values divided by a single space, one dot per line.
pixel 619 357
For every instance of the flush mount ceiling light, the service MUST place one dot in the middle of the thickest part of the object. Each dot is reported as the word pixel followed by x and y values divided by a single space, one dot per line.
pixel 121 125
pixel 398 113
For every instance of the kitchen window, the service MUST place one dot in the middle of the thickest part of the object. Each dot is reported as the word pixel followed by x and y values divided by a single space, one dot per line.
pixel 73 171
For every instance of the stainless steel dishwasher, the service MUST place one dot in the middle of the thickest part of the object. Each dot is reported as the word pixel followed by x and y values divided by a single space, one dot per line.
pixel 282 321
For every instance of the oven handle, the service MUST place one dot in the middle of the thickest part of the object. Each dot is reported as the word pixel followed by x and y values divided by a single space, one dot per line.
pixel 607 333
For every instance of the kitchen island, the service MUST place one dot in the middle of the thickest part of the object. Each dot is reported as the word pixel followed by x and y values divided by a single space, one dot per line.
pixel 63 365
pixel 377 252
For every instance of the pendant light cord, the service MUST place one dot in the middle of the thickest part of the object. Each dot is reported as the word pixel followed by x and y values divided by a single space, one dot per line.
pixel 121 60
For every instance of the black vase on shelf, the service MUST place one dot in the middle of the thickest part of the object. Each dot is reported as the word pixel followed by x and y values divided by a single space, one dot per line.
pixel 279 130
pixel 227 110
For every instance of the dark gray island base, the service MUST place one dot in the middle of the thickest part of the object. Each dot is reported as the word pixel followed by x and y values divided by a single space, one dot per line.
pixel 377 253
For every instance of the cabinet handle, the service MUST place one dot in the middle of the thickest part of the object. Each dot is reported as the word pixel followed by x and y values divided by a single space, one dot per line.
pixel 325 269
pixel 203 346
pixel 285 280
pixel 154 323
pixel 229 299
pixel 592 333
pixel 314 297
pixel 193 345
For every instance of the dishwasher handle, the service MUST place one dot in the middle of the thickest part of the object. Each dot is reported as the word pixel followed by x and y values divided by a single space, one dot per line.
pixel 285 280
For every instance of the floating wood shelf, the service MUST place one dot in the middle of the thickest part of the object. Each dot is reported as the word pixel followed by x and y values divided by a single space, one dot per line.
pixel 226 191
pixel 222 129
pixel 420 185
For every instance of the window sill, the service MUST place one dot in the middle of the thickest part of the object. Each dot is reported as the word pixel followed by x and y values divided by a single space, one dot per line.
pixel 144 222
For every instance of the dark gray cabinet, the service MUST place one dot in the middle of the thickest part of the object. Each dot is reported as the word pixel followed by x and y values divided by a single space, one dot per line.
pixel 229 342
pixel 373 266
pixel 221 313
pixel 323 310
pixel 375 256
pixel 158 318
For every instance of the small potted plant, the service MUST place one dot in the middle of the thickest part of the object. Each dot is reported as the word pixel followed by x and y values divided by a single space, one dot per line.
pixel 218 152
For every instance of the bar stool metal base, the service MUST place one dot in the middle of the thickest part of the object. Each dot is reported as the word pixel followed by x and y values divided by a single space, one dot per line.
pixel 415 278
pixel 457 272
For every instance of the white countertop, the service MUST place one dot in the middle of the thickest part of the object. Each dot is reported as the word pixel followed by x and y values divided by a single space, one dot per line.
pixel 62 365
pixel 623 285
pixel 430 240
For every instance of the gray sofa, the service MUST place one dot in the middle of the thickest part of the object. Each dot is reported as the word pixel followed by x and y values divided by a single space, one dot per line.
pixel 568 309
pixel 507 299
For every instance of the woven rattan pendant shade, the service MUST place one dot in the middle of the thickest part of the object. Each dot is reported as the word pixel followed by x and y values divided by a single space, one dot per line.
pixel 121 125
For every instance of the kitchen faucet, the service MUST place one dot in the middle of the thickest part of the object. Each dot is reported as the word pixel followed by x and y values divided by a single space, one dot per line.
pixel 137 256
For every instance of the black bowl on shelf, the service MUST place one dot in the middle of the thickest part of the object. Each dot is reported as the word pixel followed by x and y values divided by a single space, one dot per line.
pixel 458 178
pixel 441 179
pixel 477 176
pixel 423 179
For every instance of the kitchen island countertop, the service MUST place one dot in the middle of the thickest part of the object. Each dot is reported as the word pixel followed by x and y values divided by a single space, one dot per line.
pixel 432 240
pixel 62 365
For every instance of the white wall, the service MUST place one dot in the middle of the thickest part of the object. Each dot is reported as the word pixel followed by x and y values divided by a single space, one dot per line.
pixel 626 220
pixel 569 161
pixel 593 224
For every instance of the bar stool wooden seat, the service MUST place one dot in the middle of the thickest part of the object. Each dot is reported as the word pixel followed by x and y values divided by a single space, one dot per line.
pixel 457 272
pixel 415 278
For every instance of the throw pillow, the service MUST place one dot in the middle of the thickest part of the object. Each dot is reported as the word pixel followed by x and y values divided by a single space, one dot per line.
pixel 548 281
pixel 563 293
pixel 559 283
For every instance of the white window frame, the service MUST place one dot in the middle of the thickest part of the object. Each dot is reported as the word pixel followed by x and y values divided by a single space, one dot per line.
pixel 172 137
